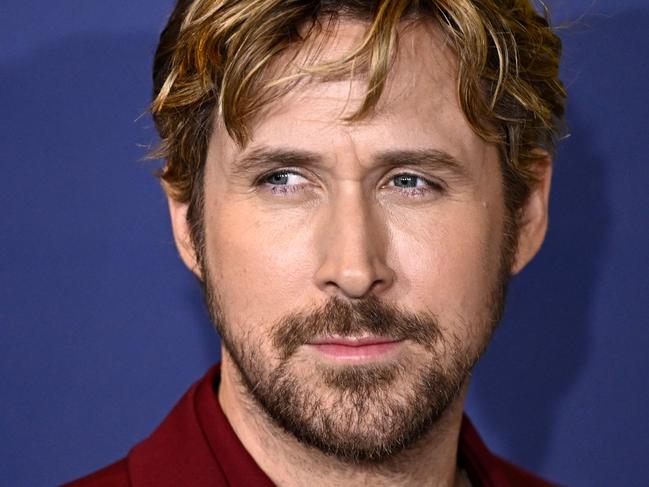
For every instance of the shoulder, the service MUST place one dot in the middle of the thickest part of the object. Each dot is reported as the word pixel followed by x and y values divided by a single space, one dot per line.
pixel 485 468
pixel 115 475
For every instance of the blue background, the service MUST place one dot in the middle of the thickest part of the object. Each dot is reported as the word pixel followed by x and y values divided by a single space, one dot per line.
pixel 102 329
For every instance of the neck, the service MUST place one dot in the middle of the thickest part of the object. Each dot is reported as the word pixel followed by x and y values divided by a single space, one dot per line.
pixel 431 461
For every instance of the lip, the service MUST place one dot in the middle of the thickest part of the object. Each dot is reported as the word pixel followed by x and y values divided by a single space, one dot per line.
pixel 356 348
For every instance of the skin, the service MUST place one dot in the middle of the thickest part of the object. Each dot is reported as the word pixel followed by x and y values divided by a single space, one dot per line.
pixel 344 227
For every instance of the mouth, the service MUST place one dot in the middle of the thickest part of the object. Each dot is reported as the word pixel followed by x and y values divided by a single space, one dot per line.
pixel 356 349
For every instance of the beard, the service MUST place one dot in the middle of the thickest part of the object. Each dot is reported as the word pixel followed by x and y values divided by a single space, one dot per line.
pixel 357 413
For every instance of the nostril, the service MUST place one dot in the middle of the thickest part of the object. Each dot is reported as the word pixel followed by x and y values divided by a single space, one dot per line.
pixel 358 283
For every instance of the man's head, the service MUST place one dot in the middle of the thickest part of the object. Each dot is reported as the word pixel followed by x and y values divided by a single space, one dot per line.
pixel 354 183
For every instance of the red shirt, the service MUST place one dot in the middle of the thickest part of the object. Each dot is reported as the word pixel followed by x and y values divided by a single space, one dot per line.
pixel 196 446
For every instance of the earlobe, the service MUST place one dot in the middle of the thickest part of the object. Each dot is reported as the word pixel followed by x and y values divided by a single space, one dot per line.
pixel 533 218
pixel 182 235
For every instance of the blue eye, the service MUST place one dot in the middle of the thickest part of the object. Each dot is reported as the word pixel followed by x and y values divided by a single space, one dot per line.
pixel 405 181
pixel 278 178
pixel 409 181
pixel 284 178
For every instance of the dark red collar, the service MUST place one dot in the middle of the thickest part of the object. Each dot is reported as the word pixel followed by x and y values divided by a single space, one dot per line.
pixel 195 445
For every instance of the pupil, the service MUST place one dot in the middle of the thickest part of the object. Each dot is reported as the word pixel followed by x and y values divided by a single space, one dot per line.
pixel 279 178
pixel 405 181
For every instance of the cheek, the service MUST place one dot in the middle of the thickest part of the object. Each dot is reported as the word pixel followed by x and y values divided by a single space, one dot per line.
pixel 259 265
pixel 450 265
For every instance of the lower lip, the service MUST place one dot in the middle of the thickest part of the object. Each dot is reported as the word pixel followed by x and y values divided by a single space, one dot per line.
pixel 356 352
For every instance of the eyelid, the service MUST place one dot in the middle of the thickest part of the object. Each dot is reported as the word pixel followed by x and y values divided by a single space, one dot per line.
pixel 432 182
pixel 262 178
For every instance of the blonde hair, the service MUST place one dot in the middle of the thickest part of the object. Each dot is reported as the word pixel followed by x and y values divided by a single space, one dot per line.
pixel 214 57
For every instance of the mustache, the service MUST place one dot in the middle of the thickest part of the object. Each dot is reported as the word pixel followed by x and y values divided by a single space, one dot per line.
pixel 369 316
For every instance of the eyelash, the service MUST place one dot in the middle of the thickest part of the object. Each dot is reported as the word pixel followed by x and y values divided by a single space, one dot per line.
pixel 279 188
pixel 432 186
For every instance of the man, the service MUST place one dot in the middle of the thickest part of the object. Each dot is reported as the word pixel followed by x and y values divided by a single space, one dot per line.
pixel 353 183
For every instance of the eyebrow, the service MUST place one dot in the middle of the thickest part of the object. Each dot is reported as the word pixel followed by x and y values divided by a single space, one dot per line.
pixel 268 157
pixel 433 160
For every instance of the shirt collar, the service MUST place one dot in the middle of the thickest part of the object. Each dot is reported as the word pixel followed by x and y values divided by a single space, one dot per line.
pixel 196 445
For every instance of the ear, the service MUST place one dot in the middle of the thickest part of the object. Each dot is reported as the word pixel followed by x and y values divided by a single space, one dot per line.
pixel 533 217
pixel 182 235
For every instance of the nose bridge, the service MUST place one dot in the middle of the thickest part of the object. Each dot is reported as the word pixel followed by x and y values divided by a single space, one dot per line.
pixel 353 245
pixel 352 224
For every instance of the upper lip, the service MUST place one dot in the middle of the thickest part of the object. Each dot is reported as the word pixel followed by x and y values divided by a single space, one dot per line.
pixel 353 341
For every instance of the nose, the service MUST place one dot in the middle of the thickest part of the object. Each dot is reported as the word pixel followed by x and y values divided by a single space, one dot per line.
pixel 353 248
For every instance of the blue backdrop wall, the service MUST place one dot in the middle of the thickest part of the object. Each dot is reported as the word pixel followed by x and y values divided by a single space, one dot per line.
pixel 102 329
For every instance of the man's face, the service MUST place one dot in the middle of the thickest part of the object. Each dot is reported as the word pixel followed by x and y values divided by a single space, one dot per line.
pixel 356 270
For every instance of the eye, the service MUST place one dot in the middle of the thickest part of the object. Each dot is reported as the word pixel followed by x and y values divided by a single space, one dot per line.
pixel 407 181
pixel 413 183
pixel 413 186
pixel 284 178
pixel 284 182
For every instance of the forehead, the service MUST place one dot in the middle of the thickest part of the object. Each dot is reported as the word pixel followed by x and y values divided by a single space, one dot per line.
pixel 418 108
